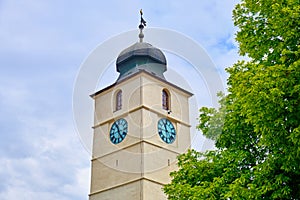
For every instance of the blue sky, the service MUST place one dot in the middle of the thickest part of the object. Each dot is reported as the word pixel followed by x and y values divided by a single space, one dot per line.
pixel 42 45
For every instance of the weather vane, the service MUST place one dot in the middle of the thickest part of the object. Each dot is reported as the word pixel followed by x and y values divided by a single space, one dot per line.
pixel 141 26
pixel 143 22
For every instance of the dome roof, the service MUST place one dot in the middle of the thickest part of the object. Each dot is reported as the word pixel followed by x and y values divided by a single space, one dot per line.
pixel 141 56
pixel 141 49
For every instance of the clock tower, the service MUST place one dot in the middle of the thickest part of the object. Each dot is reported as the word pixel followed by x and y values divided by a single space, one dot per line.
pixel 141 124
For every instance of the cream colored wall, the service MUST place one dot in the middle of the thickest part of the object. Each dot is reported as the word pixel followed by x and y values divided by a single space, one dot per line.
pixel 140 160
pixel 144 90
pixel 150 133
pixel 158 163
pixel 105 176
pixel 140 190
pixel 130 191
pixel 101 142
pixel 142 154
pixel 152 191
pixel 152 98
pixel 104 102
pixel 116 168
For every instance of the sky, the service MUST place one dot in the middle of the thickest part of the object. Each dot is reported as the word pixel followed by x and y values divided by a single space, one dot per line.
pixel 42 47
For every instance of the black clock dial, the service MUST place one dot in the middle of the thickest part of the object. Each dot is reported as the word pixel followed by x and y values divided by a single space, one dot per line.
pixel 166 130
pixel 118 131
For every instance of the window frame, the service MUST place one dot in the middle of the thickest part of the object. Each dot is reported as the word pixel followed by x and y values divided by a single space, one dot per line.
pixel 118 100
pixel 166 99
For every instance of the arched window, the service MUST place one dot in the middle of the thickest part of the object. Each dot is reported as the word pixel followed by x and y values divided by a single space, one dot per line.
pixel 165 99
pixel 119 100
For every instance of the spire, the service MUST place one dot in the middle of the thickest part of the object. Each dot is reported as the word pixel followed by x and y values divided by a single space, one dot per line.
pixel 141 26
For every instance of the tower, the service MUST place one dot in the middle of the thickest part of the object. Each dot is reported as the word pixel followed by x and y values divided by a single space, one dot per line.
pixel 141 124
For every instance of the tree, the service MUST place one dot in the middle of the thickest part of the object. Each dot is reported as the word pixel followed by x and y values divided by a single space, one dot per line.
pixel 257 127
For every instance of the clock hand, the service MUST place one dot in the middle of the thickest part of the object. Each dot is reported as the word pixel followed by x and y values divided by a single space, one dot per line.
pixel 121 133
pixel 118 130
pixel 166 129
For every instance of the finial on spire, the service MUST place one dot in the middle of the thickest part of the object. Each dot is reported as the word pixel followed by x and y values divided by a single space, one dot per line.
pixel 141 26
pixel 143 22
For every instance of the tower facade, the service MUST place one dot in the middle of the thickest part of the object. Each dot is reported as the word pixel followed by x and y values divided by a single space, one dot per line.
pixel 141 125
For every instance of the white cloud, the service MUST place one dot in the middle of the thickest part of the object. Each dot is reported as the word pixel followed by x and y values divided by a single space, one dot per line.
pixel 40 151
pixel 56 163
pixel 81 185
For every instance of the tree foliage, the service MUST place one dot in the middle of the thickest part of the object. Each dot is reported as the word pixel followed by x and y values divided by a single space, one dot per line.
pixel 257 127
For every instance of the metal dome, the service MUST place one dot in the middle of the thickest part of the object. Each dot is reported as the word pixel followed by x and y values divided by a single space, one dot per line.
pixel 141 49
pixel 141 56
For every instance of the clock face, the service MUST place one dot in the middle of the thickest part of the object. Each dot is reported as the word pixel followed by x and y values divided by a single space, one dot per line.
pixel 118 131
pixel 166 130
